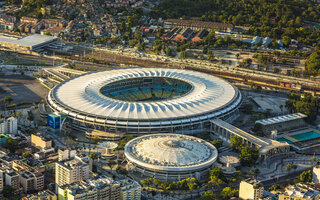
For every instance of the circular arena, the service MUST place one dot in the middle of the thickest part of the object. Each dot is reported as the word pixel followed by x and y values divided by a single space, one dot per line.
pixel 145 100
pixel 170 157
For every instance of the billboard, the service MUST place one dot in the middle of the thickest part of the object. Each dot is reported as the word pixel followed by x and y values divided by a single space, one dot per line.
pixel 53 121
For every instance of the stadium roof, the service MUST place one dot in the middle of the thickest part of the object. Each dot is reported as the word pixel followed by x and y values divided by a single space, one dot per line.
pixel 81 96
pixel 171 152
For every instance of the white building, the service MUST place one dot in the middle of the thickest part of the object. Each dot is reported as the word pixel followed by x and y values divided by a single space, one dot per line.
pixel 170 157
pixel 316 174
pixel 250 189
pixel 70 171
pixel 102 188
pixel 9 126
pixel 130 190
pixel 66 154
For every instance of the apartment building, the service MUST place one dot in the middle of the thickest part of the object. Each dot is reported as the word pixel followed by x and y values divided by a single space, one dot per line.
pixel 101 188
pixel 251 189
pixel 40 142
pixel 9 126
pixel 130 190
pixel 70 171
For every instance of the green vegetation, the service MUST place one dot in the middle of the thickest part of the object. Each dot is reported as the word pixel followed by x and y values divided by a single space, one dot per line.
pixel 308 105
pixel 12 144
pixel 306 176
pixel 258 129
pixel 228 192
pixel 185 184
pixel 207 196
pixel 217 143
pixel 124 141
pixel 275 187
pixel 291 166
pixel 313 63
pixel 248 155
pixel 216 178
pixel 277 19
pixel 93 156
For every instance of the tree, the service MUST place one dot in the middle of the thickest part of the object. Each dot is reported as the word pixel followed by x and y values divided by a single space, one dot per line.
pixel 275 187
pixel 290 166
pixel 237 55
pixel 215 181
pixel 7 191
pixel 306 176
pixel 26 154
pixel 192 183
pixel 228 192
pixel 207 196
pixel 12 144
pixel 313 63
pixel 217 143
pixel 286 41
pixel 236 143
pixel 248 156
pixel 93 156
pixel 146 182
pixel 258 129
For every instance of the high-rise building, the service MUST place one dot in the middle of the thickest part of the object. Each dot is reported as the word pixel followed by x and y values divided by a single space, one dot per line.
pixel 9 126
pixel 102 188
pixel 130 190
pixel 70 171
pixel 251 189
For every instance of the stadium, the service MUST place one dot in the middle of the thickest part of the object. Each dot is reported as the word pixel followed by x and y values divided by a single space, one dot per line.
pixel 170 157
pixel 145 100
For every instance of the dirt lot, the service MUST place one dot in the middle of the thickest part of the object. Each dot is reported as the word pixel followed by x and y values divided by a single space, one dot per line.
pixel 21 88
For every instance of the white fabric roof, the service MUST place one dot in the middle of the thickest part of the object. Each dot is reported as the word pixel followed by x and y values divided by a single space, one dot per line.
pixel 82 94
pixel 155 152
pixel 282 118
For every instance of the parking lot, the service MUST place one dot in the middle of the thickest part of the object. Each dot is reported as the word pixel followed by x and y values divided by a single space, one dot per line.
pixel 21 88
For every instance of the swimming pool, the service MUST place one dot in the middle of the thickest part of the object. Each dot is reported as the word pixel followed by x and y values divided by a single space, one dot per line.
pixel 300 137
pixel 282 139
pixel 306 136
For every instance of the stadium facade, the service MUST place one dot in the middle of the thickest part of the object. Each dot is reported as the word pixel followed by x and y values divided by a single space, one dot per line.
pixel 170 157
pixel 145 100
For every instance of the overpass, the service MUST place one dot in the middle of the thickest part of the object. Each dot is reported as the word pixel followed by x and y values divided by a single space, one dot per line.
pixel 60 73
pixel 266 147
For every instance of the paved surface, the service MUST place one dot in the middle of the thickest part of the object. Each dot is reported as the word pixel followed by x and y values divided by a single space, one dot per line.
pixel 21 88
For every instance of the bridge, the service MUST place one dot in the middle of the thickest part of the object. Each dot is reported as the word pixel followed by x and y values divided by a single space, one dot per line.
pixel 60 73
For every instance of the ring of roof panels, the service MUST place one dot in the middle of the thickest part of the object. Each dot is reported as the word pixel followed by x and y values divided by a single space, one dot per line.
pixel 171 153
pixel 81 98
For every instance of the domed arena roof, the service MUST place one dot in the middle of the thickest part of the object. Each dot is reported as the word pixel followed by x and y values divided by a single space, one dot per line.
pixel 171 152
pixel 147 94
